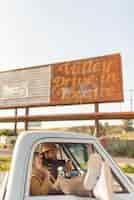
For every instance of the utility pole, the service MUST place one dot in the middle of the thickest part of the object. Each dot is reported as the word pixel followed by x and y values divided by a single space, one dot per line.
pixel 26 114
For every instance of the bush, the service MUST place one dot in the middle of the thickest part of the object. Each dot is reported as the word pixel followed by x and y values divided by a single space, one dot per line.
pixel 5 163
pixel 117 147
pixel 5 166
pixel 6 132
pixel 128 169
pixel 5 158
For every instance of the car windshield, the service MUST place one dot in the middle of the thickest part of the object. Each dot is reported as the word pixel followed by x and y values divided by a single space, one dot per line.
pixel 80 153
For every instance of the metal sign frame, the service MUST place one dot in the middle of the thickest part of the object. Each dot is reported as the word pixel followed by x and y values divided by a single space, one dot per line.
pixel 93 80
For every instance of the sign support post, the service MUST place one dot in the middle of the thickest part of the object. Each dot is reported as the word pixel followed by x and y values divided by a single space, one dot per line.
pixel 15 124
pixel 96 120
pixel 26 114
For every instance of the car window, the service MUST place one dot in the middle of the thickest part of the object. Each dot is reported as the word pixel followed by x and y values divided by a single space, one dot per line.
pixel 60 169
pixel 82 153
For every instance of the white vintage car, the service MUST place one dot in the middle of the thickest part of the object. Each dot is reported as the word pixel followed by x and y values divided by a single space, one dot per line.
pixel 72 146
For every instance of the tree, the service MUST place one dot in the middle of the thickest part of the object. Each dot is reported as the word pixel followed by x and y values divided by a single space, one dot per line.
pixel 101 129
pixel 128 125
pixel 106 128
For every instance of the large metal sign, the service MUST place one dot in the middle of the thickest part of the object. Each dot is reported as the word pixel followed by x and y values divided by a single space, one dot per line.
pixel 25 87
pixel 93 80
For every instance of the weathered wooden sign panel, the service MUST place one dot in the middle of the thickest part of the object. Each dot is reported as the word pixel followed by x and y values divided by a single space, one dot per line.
pixel 88 81
pixel 82 81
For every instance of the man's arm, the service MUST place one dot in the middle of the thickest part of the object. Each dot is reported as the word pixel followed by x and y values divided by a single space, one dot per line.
pixel 38 187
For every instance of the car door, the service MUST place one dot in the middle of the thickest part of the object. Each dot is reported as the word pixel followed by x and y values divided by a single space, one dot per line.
pixel 3 184
pixel 119 189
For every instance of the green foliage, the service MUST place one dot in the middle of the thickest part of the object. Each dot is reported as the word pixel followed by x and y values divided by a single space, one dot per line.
pixel 127 151
pixel 5 158
pixel 6 132
pixel 128 125
pixel 101 129
pixel 120 147
pixel 5 166
pixel 83 165
pixel 5 162
pixel 127 169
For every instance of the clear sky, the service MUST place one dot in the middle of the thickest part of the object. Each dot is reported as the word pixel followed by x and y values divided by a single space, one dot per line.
pixel 46 31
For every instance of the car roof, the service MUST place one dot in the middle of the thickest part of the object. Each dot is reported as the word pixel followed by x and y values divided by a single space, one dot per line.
pixel 57 134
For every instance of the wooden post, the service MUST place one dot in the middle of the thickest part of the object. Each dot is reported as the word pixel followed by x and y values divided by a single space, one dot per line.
pixel 97 120
pixel 15 124
pixel 26 114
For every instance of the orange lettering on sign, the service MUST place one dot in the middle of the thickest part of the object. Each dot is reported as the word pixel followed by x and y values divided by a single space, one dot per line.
pixel 90 80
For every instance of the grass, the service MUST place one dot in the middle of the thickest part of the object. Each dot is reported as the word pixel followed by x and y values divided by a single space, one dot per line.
pixel 5 158
pixel 5 162
pixel 127 169
pixel 5 166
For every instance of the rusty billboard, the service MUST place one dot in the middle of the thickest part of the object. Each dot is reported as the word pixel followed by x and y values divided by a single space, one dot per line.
pixel 88 81
pixel 92 80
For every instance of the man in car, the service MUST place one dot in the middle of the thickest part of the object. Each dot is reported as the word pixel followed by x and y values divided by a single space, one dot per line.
pixel 49 153
pixel 71 185
pixel 42 182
